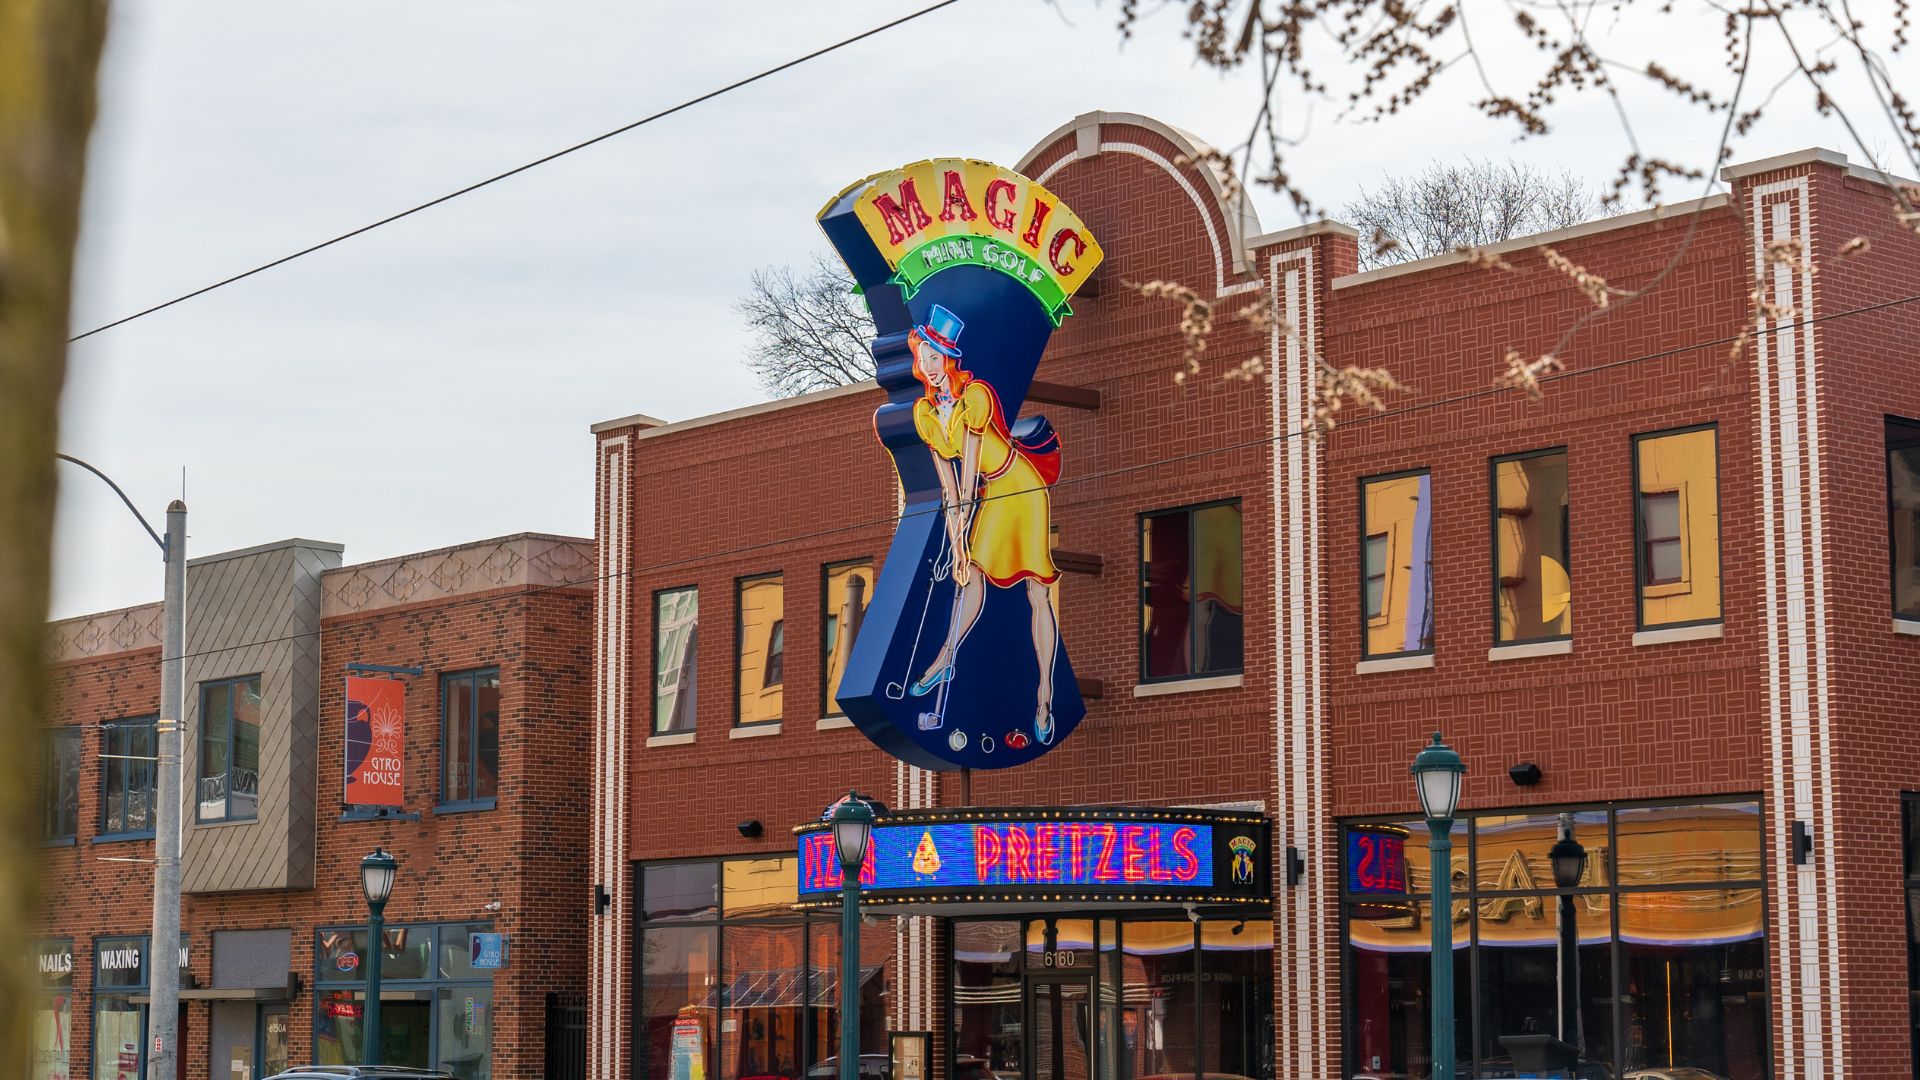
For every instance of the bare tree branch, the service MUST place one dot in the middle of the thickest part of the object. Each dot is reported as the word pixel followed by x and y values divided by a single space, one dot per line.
pixel 811 329
pixel 1474 204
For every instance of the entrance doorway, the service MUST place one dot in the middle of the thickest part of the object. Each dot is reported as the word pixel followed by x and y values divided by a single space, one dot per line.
pixel 1059 1027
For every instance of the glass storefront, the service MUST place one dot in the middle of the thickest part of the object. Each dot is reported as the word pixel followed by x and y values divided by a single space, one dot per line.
pixel 119 1024
pixel 1665 942
pixel 1112 999
pixel 734 984
pixel 50 1053
pixel 436 1010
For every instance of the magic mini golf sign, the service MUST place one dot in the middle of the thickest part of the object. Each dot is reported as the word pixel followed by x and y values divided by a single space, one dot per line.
pixel 967 269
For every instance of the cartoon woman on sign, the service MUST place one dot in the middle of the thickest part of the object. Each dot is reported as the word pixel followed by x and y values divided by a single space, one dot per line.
pixel 994 487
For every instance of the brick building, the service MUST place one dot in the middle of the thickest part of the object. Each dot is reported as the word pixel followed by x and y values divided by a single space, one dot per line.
pixel 1706 722
pixel 273 920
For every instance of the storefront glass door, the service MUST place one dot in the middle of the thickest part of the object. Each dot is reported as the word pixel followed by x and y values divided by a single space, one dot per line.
pixel 1059 1026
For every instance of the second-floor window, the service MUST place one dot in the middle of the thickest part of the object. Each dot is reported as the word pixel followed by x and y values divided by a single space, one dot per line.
pixel 1396 577
pixel 848 585
pixel 470 738
pixel 128 777
pixel 1190 595
pixel 60 784
pixel 228 787
pixel 759 649
pixel 676 659
pixel 1532 553
pixel 1676 487
pixel 1903 514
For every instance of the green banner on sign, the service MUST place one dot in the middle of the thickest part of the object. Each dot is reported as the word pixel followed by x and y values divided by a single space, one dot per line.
pixel 936 255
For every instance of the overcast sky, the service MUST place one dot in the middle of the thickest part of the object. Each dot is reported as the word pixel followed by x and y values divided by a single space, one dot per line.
pixel 431 383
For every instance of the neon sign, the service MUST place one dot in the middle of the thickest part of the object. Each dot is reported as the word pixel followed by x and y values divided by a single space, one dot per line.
pixel 1377 860
pixel 1101 854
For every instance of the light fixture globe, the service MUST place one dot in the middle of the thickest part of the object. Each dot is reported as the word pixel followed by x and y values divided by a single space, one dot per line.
pixel 1436 772
pixel 1569 858
pixel 376 876
pixel 852 822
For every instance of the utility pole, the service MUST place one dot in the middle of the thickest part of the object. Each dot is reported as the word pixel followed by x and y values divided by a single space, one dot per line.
pixel 163 963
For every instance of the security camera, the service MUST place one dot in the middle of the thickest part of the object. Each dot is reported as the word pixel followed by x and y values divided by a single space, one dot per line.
pixel 494 906
pixel 1193 911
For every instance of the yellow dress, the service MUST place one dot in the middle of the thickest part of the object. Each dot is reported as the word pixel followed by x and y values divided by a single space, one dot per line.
pixel 1009 540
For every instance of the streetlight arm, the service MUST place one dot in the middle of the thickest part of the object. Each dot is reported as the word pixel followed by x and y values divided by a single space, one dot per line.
pixel 144 523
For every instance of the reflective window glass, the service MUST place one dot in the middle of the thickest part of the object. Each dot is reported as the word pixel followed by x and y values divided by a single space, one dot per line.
pixel 762 1001
pixel 848 586
pixel 1523 958
pixel 676 626
pixel 1396 858
pixel 678 968
pixel 1236 997
pixel 1910 821
pixel 470 737
pixel 759 649
pixel 1511 851
pixel 1678 526
pixel 1695 996
pixel 119 1038
pixel 759 887
pixel 1190 592
pixel 129 778
pixel 1389 968
pixel 456 951
pixel 60 784
pixel 1669 845
pixel 1532 550
pixel 680 890
pixel 1156 979
pixel 1396 520
pixel 228 785
pixel 988 1023
pixel 1903 514
pixel 465 1031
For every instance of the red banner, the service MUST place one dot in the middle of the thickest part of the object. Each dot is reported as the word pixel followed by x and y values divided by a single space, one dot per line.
pixel 376 741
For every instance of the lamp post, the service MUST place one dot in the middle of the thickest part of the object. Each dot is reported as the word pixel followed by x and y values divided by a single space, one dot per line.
pixel 376 878
pixel 1436 773
pixel 1569 859
pixel 164 1012
pixel 852 832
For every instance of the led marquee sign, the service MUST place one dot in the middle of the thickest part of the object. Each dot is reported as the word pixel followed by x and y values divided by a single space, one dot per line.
pixel 1158 855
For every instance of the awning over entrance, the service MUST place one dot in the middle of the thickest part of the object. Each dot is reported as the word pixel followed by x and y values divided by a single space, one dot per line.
pixel 1008 860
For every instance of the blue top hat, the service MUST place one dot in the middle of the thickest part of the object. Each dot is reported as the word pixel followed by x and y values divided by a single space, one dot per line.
pixel 942 330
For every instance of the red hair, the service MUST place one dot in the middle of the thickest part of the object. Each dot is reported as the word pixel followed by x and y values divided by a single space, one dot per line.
pixel 957 376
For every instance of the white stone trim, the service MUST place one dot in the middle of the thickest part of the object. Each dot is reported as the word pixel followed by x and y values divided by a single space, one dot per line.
pixel 613 589
pixel 755 731
pixel 832 723
pixel 1703 632
pixel 1188 686
pixel 1393 663
pixel 1559 647
pixel 671 738
pixel 1906 626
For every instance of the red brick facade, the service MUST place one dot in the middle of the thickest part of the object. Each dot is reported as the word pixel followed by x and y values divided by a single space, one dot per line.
pixel 519 866
pixel 1786 701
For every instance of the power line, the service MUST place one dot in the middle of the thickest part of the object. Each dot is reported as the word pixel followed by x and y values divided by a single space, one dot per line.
pixel 1177 459
pixel 623 129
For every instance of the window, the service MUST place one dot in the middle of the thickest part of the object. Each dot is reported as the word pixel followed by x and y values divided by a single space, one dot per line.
pixel 760 646
pixel 128 778
pixel 1190 598
pixel 119 1022
pixel 443 1016
pixel 1903 514
pixel 51 1005
pixel 229 788
pixel 470 739
pixel 60 785
pixel 720 941
pixel 1532 553
pixel 1665 940
pixel 847 587
pixel 1677 526
pixel 1910 834
pixel 1396 586
pixel 676 659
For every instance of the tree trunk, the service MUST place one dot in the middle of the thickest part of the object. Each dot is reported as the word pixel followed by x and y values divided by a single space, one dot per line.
pixel 49 54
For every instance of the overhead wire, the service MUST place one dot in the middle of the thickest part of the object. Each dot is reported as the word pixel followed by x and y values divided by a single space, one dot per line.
pixel 516 170
pixel 82 668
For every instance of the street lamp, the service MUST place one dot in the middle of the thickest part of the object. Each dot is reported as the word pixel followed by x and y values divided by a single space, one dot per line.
pixel 1569 860
pixel 376 878
pixel 852 832
pixel 1436 772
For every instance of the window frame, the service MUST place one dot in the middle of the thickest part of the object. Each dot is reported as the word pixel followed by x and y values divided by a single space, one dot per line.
pixel 1640 582
pixel 431 984
pixel 1893 568
pixel 200 757
pixel 99 993
pixel 1191 510
pixel 828 707
pixel 1471 895
pixel 740 585
pixel 1493 541
pixel 110 766
pixel 1366 621
pixel 472 802
pixel 53 785
pixel 653 693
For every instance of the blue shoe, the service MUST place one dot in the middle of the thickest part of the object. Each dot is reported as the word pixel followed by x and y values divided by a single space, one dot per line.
pixel 1043 728
pixel 930 680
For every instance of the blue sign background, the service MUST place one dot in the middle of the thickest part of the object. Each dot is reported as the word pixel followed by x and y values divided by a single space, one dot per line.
pixel 1104 856
pixel 487 952
pixel 992 694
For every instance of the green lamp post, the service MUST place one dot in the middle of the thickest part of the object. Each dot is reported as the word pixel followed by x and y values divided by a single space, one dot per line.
pixel 1436 772
pixel 852 832
pixel 376 878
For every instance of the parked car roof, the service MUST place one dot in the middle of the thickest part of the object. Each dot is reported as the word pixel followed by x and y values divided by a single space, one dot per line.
pixel 383 1072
